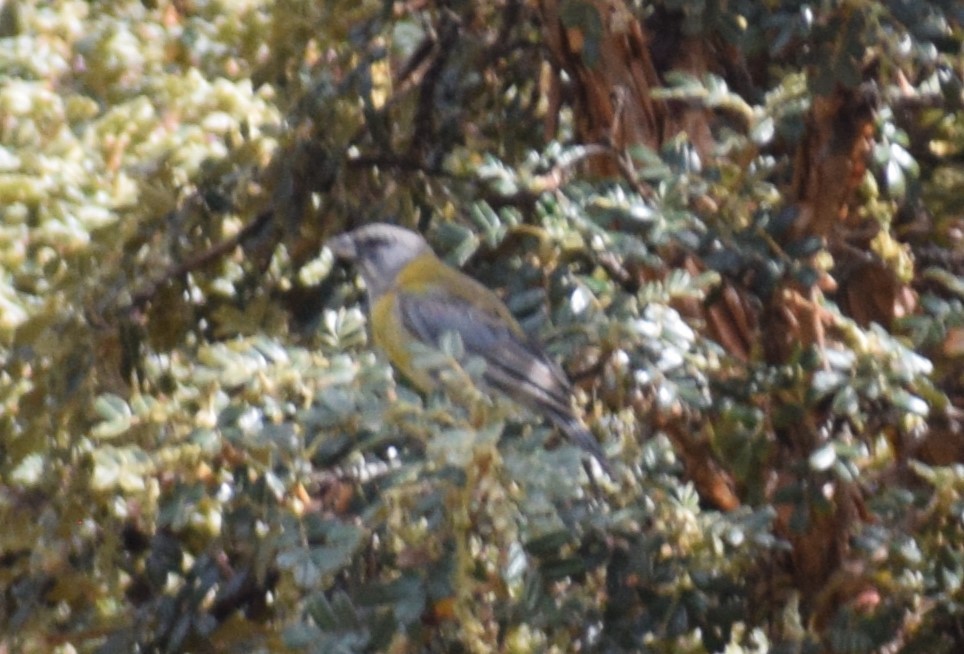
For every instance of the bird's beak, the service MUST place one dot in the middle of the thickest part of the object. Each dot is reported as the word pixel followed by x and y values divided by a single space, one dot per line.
pixel 343 247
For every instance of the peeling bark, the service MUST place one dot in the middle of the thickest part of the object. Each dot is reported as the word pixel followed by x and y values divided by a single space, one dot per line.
pixel 612 88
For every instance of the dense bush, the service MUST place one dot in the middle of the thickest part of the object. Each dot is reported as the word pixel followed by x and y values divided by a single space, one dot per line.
pixel 738 225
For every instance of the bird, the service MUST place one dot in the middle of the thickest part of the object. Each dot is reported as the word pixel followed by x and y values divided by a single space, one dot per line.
pixel 414 297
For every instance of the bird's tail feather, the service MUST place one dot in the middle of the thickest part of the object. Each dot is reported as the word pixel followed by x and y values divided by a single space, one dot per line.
pixel 579 435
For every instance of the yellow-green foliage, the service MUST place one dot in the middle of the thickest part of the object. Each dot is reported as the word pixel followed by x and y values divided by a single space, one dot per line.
pixel 201 451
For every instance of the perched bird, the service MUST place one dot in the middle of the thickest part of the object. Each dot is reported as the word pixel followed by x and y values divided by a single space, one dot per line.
pixel 416 298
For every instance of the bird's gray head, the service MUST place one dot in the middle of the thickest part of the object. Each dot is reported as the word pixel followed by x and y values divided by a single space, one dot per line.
pixel 380 251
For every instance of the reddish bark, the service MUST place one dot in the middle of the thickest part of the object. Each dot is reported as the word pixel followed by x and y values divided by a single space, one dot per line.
pixel 611 90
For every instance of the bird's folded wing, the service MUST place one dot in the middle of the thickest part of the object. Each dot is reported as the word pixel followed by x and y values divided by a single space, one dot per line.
pixel 514 365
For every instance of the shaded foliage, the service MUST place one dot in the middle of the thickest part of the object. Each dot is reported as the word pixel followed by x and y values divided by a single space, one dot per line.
pixel 737 224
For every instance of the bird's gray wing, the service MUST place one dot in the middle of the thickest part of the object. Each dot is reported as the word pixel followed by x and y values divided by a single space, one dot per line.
pixel 515 365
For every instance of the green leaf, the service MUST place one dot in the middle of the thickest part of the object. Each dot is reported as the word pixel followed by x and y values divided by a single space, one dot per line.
pixel 846 402
pixel 823 458
pixel 763 130
pixel 909 402
pixel 111 407
pixel 827 381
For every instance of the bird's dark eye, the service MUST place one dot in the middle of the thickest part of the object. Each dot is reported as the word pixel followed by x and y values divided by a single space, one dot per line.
pixel 378 242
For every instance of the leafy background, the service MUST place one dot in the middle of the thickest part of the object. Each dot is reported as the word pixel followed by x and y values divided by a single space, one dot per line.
pixel 737 224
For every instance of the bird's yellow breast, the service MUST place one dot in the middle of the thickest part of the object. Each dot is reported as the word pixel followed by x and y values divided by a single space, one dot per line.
pixel 390 335
pixel 428 277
